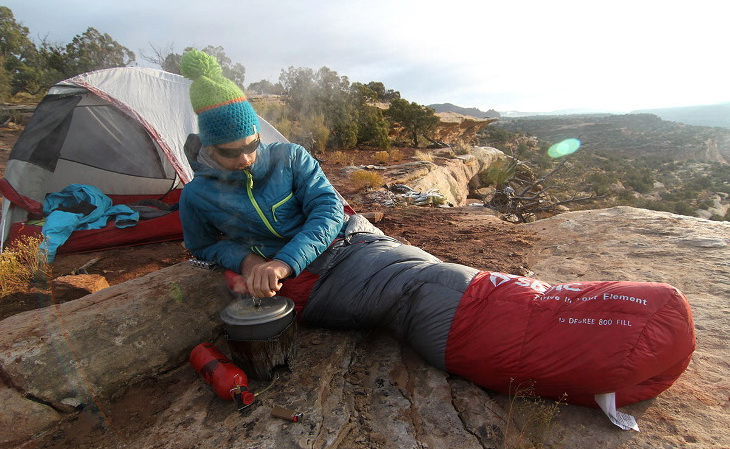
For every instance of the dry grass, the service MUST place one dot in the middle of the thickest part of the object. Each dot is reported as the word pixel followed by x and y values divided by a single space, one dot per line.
pixel 461 148
pixel 535 418
pixel 382 157
pixel 365 180
pixel 423 156
pixel 396 155
pixel 341 158
pixel 447 152
pixel 21 264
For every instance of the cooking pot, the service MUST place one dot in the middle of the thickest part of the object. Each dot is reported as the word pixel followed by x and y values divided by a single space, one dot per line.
pixel 261 334
pixel 248 318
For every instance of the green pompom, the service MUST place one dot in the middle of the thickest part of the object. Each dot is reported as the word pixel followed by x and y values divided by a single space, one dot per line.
pixel 195 64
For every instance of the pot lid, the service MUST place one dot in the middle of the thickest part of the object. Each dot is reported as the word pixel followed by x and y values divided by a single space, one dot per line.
pixel 247 311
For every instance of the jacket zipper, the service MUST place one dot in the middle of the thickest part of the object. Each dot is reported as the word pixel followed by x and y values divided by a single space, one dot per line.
pixel 249 189
pixel 273 208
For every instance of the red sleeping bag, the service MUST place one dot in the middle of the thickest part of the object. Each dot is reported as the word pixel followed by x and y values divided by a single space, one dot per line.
pixel 571 340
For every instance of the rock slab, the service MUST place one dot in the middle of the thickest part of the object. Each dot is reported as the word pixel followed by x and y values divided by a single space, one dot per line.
pixel 364 389
pixel 67 357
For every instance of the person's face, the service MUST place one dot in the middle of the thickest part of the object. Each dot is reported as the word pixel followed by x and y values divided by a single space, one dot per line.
pixel 237 155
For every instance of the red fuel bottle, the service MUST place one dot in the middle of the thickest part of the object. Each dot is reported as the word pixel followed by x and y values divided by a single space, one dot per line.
pixel 228 380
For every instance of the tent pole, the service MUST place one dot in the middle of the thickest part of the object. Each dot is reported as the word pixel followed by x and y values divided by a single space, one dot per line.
pixel 3 220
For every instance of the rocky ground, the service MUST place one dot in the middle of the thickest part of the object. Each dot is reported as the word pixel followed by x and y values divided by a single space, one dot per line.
pixel 366 390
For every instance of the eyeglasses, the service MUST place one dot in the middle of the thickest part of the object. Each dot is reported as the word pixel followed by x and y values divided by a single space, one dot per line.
pixel 230 153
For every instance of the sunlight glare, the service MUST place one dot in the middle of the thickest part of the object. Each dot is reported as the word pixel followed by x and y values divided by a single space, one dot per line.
pixel 564 148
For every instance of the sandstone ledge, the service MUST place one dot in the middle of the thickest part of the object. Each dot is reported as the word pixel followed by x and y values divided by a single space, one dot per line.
pixel 363 389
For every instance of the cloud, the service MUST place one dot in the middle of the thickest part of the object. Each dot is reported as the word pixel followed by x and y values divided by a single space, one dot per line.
pixel 524 54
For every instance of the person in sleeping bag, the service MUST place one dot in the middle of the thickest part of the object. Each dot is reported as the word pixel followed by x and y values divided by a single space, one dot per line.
pixel 267 213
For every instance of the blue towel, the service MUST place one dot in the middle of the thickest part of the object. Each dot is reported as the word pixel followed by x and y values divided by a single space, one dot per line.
pixel 79 207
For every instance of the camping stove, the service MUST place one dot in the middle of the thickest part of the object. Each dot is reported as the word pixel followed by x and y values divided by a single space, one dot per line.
pixel 261 334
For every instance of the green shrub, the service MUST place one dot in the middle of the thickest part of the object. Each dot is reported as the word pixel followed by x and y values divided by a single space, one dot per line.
pixel 314 133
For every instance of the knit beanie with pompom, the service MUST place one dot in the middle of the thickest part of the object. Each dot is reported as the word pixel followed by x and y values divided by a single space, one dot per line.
pixel 224 114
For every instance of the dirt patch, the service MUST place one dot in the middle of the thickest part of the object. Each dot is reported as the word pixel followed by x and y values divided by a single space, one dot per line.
pixel 116 265
pixel 470 236
pixel 122 264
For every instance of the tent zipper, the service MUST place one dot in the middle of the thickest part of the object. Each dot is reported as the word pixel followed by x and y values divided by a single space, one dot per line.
pixel 249 189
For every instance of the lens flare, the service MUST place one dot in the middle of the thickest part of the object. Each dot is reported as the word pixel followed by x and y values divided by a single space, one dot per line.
pixel 77 374
pixel 564 148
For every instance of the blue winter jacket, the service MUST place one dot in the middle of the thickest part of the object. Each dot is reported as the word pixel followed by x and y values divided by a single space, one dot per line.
pixel 282 207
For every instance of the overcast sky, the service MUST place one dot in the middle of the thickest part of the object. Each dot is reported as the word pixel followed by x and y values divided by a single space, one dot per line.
pixel 529 55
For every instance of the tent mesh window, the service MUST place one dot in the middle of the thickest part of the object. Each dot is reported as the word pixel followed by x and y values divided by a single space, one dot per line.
pixel 43 136
pixel 102 137
pixel 92 133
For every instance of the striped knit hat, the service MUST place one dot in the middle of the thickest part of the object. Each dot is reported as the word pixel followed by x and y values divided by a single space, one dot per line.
pixel 224 114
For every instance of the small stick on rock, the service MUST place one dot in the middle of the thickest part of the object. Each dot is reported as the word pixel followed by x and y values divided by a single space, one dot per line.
pixel 82 268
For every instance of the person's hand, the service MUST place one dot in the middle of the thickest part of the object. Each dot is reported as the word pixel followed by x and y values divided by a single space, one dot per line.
pixel 237 282
pixel 263 280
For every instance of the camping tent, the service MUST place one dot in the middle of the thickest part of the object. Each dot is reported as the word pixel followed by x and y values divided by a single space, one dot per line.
pixel 122 130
